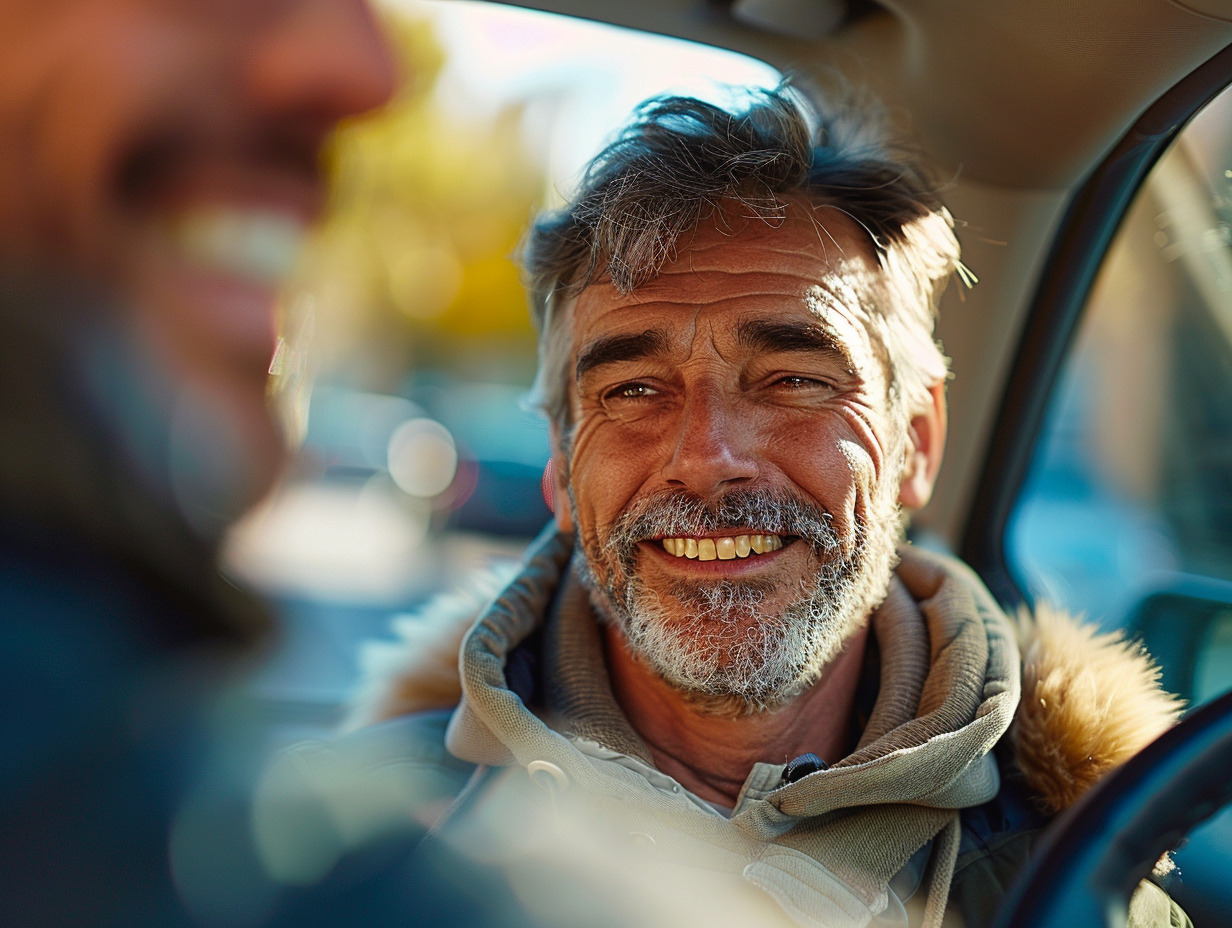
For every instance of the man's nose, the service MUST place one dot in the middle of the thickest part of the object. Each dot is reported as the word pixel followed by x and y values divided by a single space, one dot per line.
pixel 323 58
pixel 715 447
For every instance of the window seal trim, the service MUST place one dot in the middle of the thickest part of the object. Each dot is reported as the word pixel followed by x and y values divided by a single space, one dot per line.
pixel 1085 234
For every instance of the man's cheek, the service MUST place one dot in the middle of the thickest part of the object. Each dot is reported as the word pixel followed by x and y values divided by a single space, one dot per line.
pixel 852 484
pixel 596 478
pixel 585 521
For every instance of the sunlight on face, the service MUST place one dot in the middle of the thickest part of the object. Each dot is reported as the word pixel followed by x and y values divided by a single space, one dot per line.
pixel 738 400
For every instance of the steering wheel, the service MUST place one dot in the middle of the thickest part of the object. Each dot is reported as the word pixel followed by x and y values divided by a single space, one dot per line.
pixel 1095 854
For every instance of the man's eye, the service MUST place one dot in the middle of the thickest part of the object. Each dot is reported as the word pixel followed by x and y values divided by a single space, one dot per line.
pixel 630 391
pixel 801 383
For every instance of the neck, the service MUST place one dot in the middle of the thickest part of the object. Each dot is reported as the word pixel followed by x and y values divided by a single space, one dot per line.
pixel 711 755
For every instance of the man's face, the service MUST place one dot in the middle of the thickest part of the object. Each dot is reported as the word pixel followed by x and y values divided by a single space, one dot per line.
pixel 167 150
pixel 736 461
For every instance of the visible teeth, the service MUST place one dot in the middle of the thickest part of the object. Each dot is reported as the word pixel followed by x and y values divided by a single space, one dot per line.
pixel 261 245
pixel 726 548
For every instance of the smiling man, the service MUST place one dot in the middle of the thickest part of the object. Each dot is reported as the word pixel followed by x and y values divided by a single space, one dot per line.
pixel 160 161
pixel 735 463
pixel 720 662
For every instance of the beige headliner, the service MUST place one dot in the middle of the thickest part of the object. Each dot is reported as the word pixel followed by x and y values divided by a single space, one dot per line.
pixel 1016 99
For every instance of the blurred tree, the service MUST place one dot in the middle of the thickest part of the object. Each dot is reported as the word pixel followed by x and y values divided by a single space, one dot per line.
pixel 413 270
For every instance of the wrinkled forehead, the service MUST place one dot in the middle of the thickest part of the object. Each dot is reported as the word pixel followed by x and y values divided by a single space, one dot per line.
pixel 808 240
pixel 816 264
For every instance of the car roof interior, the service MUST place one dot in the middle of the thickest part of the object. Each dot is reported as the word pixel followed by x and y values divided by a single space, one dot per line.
pixel 1015 102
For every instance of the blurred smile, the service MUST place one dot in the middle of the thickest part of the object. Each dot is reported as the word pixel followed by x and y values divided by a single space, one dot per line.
pixel 220 232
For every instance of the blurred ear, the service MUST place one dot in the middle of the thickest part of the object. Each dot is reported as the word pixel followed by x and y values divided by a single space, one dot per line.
pixel 559 485
pixel 925 446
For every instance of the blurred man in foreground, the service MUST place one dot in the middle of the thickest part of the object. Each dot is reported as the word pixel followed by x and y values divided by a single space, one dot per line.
pixel 745 700
pixel 159 164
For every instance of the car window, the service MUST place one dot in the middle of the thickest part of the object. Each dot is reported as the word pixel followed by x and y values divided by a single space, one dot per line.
pixel 1126 514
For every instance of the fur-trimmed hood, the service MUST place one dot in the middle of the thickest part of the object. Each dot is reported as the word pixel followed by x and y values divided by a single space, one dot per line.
pixel 1090 700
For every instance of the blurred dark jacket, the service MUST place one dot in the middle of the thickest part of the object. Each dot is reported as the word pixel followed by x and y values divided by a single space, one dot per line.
pixel 116 624
pixel 132 748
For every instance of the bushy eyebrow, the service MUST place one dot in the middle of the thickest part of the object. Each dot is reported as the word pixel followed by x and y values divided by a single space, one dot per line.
pixel 765 336
pixel 612 349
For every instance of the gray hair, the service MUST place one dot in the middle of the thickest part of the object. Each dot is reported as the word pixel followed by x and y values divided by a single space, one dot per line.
pixel 682 161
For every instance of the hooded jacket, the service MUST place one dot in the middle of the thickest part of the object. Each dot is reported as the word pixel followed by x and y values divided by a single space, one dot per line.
pixel 966 750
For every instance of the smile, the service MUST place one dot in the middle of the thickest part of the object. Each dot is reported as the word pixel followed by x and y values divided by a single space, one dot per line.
pixel 723 549
pixel 259 246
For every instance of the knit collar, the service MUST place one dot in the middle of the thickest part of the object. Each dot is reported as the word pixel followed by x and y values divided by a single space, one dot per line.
pixel 949 670
pixel 949 687
pixel 944 651
pixel 576 686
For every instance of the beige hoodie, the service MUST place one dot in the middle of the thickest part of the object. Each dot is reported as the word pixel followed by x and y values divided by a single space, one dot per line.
pixel 841 847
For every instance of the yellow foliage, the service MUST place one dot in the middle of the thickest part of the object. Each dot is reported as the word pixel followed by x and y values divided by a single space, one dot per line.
pixel 428 211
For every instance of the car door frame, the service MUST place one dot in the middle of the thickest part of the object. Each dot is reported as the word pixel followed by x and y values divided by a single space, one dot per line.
pixel 1086 232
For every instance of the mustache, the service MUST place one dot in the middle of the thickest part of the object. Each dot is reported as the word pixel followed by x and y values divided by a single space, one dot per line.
pixel 674 513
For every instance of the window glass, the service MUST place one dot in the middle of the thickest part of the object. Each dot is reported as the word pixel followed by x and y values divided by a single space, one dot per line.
pixel 1127 509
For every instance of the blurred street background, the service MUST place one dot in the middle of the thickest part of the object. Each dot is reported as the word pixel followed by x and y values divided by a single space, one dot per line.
pixel 407 346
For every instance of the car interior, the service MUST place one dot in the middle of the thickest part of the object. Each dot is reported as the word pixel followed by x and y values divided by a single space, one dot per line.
pixel 1086 153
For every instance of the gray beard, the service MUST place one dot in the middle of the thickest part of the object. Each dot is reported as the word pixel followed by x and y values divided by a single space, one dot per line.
pixel 715 641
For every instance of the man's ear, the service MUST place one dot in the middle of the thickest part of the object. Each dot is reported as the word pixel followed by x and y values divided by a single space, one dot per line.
pixel 925 445
pixel 561 509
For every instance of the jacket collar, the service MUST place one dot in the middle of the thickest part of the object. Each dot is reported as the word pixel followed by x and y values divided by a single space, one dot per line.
pixel 949 686
pixel 1089 701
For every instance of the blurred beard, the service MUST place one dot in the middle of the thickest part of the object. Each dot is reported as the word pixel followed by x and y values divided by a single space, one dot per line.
pixel 717 642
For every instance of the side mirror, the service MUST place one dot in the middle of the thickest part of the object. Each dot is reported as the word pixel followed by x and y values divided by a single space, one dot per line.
pixel 1187 627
